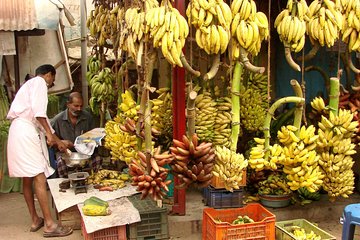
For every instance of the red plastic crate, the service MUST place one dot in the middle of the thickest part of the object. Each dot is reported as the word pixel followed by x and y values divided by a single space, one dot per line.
pixel 262 229
pixel 113 233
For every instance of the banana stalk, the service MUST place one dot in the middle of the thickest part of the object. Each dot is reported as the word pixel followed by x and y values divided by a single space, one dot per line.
pixel 270 114
pixel 311 54
pixel 214 68
pixel 334 95
pixel 191 113
pixel 235 106
pixel 351 64
pixel 187 66
pixel 290 60
pixel 299 107
pixel 248 65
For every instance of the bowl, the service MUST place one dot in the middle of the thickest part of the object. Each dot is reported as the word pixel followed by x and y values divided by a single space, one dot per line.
pixel 275 201
pixel 75 159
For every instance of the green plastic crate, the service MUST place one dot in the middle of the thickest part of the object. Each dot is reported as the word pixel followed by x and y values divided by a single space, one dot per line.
pixel 154 220
pixel 283 229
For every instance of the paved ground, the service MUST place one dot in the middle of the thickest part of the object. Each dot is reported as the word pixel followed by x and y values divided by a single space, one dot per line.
pixel 14 218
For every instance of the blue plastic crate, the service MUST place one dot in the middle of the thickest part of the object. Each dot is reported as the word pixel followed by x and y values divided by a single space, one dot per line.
pixel 222 198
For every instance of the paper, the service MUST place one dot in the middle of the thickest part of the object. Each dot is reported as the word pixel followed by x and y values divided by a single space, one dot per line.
pixel 122 212
pixel 64 200
pixel 86 143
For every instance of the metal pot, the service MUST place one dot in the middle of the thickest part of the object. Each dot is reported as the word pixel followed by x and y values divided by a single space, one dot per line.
pixel 75 159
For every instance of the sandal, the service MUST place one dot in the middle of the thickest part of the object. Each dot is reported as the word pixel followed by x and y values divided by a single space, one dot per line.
pixel 60 231
pixel 40 225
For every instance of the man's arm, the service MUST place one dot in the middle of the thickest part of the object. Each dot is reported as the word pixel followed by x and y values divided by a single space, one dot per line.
pixel 51 138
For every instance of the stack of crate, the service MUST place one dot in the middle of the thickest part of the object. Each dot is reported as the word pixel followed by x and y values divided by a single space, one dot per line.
pixel 217 196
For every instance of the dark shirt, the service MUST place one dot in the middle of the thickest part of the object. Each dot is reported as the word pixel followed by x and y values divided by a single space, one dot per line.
pixel 65 130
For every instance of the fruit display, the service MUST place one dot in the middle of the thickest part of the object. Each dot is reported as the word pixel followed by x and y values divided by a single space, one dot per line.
pixel 206 112
pixel 150 179
pixel 335 149
pixel 193 161
pixel 211 20
pixel 108 178
pixel 229 167
pixel 302 234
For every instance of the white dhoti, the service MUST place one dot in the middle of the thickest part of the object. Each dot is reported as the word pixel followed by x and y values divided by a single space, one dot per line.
pixel 27 151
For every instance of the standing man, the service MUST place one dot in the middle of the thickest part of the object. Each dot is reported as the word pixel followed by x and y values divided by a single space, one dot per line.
pixel 28 157
pixel 71 123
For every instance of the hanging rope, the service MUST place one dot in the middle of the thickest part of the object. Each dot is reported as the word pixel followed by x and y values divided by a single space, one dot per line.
pixel 269 56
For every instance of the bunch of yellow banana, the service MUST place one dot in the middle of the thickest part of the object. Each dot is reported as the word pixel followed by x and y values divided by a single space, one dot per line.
pixel 205 116
pixel 259 82
pixel 351 24
pixel 257 156
pixel 318 104
pixel 229 167
pixel 301 233
pixel 335 149
pixel 275 184
pixel 161 118
pixel 222 126
pixel 122 145
pixel 252 111
pixel 168 30
pixel 325 22
pixel 212 21
pixel 128 107
pixel 248 27
pixel 301 159
pixel 291 24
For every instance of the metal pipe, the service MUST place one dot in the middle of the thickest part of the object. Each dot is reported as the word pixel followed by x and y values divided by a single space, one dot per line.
pixel 84 83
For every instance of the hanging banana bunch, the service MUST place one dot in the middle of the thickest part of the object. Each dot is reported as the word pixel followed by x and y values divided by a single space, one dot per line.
pixel 325 22
pixel 259 82
pixel 211 20
pixel 222 126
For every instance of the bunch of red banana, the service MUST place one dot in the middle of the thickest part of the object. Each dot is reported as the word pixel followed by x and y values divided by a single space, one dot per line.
pixel 193 162
pixel 130 127
pixel 152 183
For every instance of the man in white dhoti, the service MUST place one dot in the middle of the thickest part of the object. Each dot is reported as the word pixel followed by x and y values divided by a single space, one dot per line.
pixel 27 150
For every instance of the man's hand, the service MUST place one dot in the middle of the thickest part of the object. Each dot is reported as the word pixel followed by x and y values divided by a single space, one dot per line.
pixel 51 139
pixel 68 143
pixel 61 146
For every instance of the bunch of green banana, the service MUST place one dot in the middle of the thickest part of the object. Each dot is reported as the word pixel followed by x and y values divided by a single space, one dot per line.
pixel 248 27
pixel 4 104
pixel 169 32
pixel 212 21
pixel 301 162
pixel 205 116
pixel 275 184
pixel 307 197
pixel 161 118
pixel 229 167
pixel 259 82
pixel 222 126
pixel 335 149
pixel 93 67
pixel 351 24
pixel 122 145
pixel 301 234
pixel 252 111
pixel 291 24
pixel 325 22
pixel 128 107
pixel 101 85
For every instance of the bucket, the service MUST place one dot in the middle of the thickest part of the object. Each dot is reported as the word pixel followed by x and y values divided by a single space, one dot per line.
pixel 275 201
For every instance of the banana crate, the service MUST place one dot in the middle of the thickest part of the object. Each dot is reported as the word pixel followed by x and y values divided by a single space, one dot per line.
pixel 154 221
pixel 217 225
pixel 284 230
pixel 222 198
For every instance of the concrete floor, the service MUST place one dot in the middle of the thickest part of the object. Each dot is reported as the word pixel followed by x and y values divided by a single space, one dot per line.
pixel 14 218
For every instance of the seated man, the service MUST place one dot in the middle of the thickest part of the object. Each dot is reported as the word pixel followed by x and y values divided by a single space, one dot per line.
pixel 71 123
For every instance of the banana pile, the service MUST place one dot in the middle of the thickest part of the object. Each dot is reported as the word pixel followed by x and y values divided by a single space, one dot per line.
pixel 252 111
pixel 222 126
pixel 275 184
pixel 351 24
pixel 193 161
pixel 301 162
pixel 206 112
pixel 301 234
pixel 122 145
pixel 108 178
pixel 161 117
pixel 325 22
pixel 248 27
pixel 229 167
pixel 212 21
pixel 152 183
pixel 291 24
pixel 335 149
